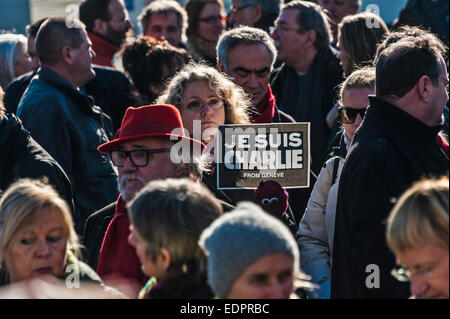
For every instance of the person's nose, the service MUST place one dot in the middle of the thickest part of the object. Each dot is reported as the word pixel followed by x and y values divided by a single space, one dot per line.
pixel 43 249
pixel 252 81
pixel 418 286
pixel 92 53
pixel 276 290
pixel 128 165
pixel 275 35
pixel 358 120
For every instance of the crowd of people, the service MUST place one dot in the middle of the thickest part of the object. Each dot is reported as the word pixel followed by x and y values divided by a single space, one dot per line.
pixel 98 192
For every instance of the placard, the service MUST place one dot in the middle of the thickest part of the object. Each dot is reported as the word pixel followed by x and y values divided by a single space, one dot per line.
pixel 249 154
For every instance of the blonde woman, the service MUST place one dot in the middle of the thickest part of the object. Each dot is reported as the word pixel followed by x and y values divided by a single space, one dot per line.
pixel 37 236
pixel 418 232
pixel 206 97
pixel 14 60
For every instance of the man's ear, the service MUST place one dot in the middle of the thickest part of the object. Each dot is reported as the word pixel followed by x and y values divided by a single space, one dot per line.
pixel 165 258
pixel 256 13
pixel 424 88
pixel 67 55
pixel 100 26
pixel 311 37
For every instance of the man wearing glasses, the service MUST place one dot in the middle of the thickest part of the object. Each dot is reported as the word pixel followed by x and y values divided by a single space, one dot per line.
pixel 305 87
pixel 255 13
pixel 394 147
pixel 141 151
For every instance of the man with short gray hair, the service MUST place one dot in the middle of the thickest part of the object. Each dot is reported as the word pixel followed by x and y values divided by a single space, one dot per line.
pixel 255 13
pixel 305 86
pixel 248 55
pixel 167 20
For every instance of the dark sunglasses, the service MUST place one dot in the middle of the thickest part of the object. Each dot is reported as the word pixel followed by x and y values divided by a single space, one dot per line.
pixel 139 158
pixel 348 114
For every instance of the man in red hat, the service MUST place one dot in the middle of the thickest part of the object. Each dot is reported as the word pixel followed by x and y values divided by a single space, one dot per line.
pixel 142 151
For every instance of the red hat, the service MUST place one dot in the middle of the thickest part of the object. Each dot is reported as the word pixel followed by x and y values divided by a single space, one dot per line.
pixel 148 121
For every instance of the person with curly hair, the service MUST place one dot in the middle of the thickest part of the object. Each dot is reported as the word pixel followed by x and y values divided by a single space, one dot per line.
pixel 150 63
pixel 202 93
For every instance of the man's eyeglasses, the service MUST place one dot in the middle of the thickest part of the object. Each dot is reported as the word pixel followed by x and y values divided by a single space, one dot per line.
pixel 138 158
pixel 348 114
pixel 213 103
pixel 213 19
pixel 234 10
pixel 403 274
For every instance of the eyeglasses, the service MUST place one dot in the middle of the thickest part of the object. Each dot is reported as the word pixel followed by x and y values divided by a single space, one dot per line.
pixel 213 19
pixel 348 114
pixel 214 103
pixel 139 158
pixel 403 274
pixel 234 10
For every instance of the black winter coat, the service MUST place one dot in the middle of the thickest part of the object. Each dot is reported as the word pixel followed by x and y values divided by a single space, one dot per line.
pixel 22 157
pixel 65 122
pixel 111 90
pixel 390 151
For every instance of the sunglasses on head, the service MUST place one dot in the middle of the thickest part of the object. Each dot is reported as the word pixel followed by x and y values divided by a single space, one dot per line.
pixel 348 114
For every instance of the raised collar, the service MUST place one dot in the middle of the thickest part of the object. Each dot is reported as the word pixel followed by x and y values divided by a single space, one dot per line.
pixel 65 86
pixel 104 49
pixel 401 123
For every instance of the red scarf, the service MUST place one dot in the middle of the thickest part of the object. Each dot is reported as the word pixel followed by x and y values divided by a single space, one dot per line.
pixel 104 50
pixel 442 144
pixel 118 258
pixel 266 108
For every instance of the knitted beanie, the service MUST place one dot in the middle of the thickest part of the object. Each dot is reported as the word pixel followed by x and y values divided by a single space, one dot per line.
pixel 237 239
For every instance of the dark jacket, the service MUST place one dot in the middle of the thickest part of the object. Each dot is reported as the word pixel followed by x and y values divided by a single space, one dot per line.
pixel 314 101
pixel 95 229
pixel 67 124
pixel 14 91
pixel 281 117
pixel 111 90
pixel 94 232
pixel 182 286
pixel 390 151
pixel 22 157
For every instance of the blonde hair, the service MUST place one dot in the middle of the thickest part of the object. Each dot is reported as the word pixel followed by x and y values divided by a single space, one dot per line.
pixel 363 78
pixel 420 216
pixel 21 205
pixel 237 103
pixel 8 54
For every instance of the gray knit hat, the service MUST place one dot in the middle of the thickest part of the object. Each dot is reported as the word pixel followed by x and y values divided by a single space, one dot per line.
pixel 237 239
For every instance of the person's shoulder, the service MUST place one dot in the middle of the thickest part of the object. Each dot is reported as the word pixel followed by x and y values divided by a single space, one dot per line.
pixel 284 117
pixel 21 81
pixel 107 211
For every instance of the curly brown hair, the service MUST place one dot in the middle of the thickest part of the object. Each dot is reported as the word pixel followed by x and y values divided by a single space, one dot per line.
pixel 145 60
pixel 237 103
